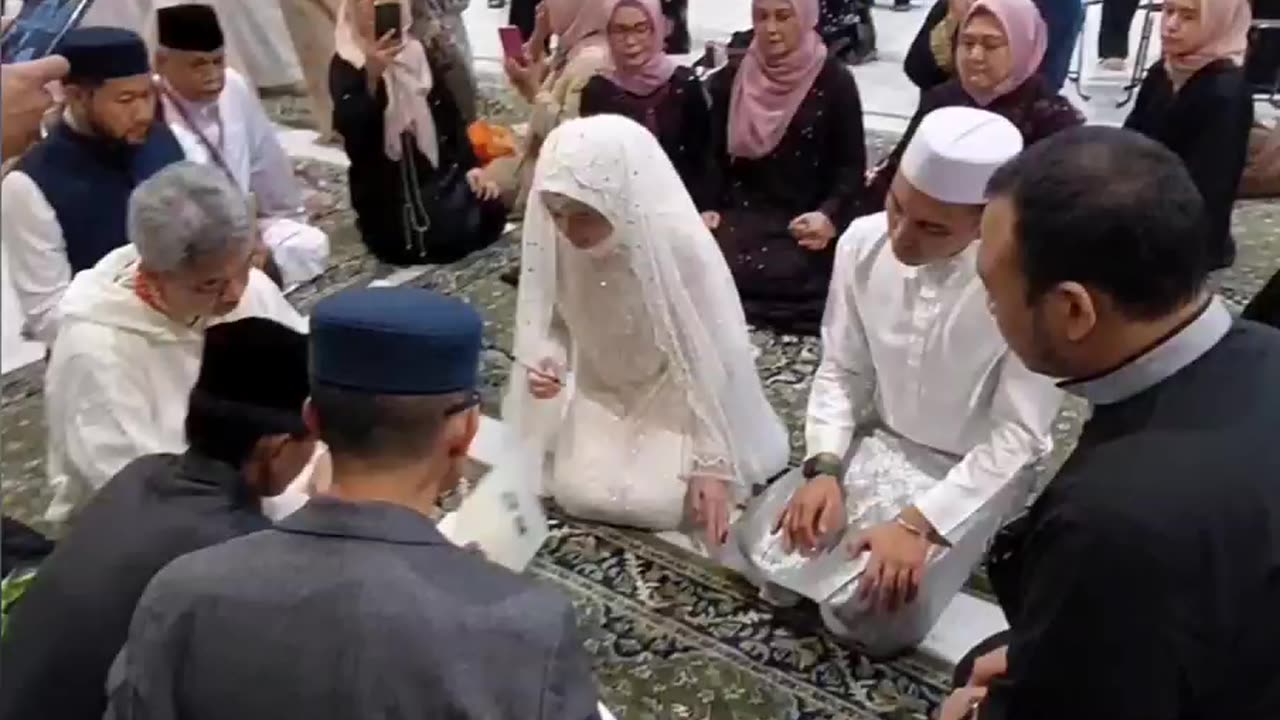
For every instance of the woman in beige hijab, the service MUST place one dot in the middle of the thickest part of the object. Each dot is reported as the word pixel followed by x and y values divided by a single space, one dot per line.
pixel 1197 101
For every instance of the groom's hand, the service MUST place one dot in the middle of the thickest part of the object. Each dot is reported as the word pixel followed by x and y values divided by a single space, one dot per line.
pixel 815 510
pixel 899 554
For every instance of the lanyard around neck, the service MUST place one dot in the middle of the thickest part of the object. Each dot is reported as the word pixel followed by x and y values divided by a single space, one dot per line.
pixel 214 151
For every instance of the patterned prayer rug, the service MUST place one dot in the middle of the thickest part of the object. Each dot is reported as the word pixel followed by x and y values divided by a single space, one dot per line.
pixel 673 637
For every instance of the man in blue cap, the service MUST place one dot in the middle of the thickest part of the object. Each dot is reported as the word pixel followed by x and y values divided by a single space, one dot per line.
pixel 66 201
pixel 356 605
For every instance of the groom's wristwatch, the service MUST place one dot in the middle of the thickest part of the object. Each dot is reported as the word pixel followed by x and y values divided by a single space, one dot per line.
pixel 820 465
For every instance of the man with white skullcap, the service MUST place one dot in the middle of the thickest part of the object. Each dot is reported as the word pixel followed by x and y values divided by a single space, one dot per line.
pixel 920 420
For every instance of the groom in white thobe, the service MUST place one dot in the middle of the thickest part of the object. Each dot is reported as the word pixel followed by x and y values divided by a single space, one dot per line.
pixel 218 119
pixel 920 421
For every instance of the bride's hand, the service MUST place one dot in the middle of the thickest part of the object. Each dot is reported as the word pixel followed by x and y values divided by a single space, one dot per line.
pixel 709 500
pixel 545 382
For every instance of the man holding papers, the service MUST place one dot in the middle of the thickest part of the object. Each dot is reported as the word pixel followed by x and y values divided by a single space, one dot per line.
pixel 357 605
pixel 920 419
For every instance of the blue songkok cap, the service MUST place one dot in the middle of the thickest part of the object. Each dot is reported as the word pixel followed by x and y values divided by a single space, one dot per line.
pixel 103 53
pixel 395 341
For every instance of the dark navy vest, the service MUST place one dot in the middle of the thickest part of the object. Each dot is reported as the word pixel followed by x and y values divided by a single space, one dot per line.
pixel 87 182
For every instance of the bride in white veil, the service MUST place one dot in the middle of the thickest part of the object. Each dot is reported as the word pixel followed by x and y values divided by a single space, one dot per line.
pixel 639 376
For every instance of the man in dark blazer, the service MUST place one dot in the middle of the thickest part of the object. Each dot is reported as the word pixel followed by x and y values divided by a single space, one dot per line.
pixel 248 441
pixel 356 606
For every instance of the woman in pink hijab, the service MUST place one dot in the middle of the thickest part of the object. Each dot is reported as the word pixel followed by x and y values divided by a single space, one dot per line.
pixel 787 165
pixel 650 88
pixel 1197 102
pixel 1000 46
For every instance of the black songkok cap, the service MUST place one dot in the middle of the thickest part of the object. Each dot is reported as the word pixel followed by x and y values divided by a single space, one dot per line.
pixel 254 371
pixel 193 27
pixel 395 341
pixel 103 53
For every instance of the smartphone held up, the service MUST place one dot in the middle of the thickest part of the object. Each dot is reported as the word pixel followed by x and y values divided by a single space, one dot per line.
pixel 388 18
pixel 38 27
pixel 512 44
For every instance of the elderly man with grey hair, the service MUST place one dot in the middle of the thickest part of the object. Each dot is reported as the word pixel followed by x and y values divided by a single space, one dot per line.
pixel 132 328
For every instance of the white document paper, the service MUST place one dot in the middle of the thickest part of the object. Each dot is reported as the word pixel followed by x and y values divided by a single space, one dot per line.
pixel 502 515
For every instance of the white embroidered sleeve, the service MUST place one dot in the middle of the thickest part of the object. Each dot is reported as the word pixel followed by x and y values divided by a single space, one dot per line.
pixel 844 386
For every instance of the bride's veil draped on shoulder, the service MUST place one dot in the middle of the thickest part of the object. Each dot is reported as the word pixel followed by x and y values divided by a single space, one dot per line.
pixel 617 167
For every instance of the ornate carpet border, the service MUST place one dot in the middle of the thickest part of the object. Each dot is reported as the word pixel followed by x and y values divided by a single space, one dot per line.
pixel 686 607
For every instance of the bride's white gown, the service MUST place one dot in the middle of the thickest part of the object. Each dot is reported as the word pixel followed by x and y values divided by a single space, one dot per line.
pixel 662 384
pixel 628 433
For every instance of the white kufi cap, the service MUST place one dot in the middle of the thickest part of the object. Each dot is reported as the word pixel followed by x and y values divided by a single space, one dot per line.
pixel 956 150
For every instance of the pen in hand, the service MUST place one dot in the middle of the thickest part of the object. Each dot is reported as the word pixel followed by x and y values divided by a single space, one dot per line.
pixel 528 366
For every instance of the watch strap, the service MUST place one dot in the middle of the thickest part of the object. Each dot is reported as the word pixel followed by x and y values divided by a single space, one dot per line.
pixel 823 464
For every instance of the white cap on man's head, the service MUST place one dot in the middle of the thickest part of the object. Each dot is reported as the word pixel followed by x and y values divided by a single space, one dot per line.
pixel 956 150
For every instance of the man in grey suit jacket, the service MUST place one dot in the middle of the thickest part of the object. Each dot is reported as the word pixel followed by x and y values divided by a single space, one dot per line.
pixel 356 607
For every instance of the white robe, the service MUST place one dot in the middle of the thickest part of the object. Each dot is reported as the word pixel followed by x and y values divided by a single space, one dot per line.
pixel 919 392
pixel 36 252
pixel 246 141
pixel 117 382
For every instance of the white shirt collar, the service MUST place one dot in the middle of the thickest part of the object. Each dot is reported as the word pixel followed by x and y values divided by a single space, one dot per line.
pixel 1160 363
